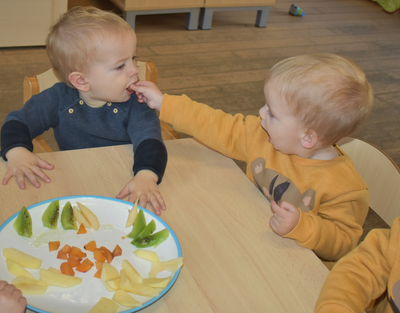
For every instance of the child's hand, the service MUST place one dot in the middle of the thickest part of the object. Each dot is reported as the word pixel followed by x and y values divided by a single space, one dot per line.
pixel 144 186
pixel 148 92
pixel 21 162
pixel 11 299
pixel 285 218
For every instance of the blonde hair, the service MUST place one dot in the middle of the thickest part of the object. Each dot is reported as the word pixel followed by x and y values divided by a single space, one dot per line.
pixel 71 42
pixel 328 93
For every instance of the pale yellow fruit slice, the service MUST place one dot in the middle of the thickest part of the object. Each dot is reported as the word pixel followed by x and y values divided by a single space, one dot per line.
pixel 89 215
pixel 131 272
pixel 17 270
pixel 125 283
pixel 170 266
pixel 125 299
pixel 147 255
pixel 59 280
pixel 132 214
pixel 109 273
pixel 104 305
pixel 143 290
pixel 114 283
pixel 23 259
pixel 81 219
pixel 157 282
pixel 29 286
pixel 54 270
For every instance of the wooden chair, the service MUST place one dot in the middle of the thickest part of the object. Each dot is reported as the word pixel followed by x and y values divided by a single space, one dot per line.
pixel 381 174
pixel 35 84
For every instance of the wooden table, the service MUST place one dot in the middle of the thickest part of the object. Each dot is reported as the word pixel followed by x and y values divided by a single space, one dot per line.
pixel 233 261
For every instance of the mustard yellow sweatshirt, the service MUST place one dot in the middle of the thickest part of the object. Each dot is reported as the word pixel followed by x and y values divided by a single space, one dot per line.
pixel 369 271
pixel 332 197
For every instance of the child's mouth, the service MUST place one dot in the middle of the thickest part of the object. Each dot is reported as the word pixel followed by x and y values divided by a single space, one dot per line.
pixel 129 90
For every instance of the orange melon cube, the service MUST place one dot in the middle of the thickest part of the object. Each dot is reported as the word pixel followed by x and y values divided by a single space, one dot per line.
pixel 117 251
pixel 82 229
pixel 66 269
pixel 85 266
pixel 54 245
pixel 90 246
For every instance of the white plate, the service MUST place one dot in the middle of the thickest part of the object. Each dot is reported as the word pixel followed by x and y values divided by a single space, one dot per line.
pixel 112 214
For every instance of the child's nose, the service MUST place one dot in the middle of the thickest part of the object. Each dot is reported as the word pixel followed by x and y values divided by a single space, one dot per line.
pixel 134 70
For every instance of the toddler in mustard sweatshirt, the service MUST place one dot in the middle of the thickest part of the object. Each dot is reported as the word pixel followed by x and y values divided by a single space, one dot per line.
pixel 311 101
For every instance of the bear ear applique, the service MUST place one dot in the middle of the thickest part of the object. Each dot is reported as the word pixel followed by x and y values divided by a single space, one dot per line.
pixel 278 187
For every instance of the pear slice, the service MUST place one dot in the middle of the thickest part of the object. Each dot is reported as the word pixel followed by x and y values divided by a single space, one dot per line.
pixel 157 282
pixel 59 280
pixel 89 215
pixel 104 305
pixel 109 273
pixel 23 259
pixel 80 217
pixel 131 272
pixel 17 270
pixel 132 214
pixel 29 286
pixel 147 255
pixel 171 266
pixel 125 299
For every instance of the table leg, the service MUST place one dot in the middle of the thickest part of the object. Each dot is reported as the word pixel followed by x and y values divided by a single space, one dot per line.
pixel 206 15
pixel 262 17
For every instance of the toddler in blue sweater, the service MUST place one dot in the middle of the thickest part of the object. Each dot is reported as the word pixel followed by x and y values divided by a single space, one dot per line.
pixel 93 52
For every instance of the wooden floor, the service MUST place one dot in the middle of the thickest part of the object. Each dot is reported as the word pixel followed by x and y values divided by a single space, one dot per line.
pixel 225 67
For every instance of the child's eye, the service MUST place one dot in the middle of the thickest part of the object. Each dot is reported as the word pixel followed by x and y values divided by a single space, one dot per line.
pixel 134 59
pixel 270 114
pixel 121 67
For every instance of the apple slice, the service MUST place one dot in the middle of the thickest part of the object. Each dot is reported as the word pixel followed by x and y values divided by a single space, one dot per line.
pixel 29 286
pixel 125 299
pixel 147 255
pixel 143 290
pixel 125 283
pixel 17 270
pixel 23 259
pixel 132 214
pixel 59 280
pixel 157 282
pixel 132 273
pixel 80 217
pixel 104 305
pixel 108 272
pixel 170 266
pixel 89 215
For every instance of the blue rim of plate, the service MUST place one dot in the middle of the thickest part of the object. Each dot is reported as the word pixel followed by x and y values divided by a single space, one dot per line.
pixel 171 232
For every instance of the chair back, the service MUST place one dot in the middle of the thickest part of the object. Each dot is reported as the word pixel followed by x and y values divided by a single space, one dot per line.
pixel 381 174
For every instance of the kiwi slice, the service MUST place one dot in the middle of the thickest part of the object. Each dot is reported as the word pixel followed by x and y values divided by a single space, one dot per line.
pixel 50 216
pixel 23 223
pixel 68 220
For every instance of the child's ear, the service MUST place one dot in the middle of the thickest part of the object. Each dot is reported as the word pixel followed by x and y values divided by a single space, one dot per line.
pixel 78 81
pixel 309 139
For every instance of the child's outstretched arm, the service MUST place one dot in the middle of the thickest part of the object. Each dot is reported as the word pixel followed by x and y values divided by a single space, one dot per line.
pixel 11 299
pixel 22 163
pixel 148 92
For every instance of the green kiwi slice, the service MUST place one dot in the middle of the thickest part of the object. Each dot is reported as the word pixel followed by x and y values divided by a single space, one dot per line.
pixel 138 226
pixel 50 216
pixel 23 223
pixel 68 220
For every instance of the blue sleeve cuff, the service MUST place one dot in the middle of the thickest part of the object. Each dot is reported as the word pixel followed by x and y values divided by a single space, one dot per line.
pixel 15 134
pixel 151 154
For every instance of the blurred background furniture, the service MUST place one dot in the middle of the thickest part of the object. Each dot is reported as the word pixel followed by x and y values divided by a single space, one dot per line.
pixel 211 6
pixel 132 8
pixel 35 84
pixel 27 22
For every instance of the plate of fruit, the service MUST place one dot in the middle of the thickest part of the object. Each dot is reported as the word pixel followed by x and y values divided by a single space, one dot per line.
pixel 89 254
